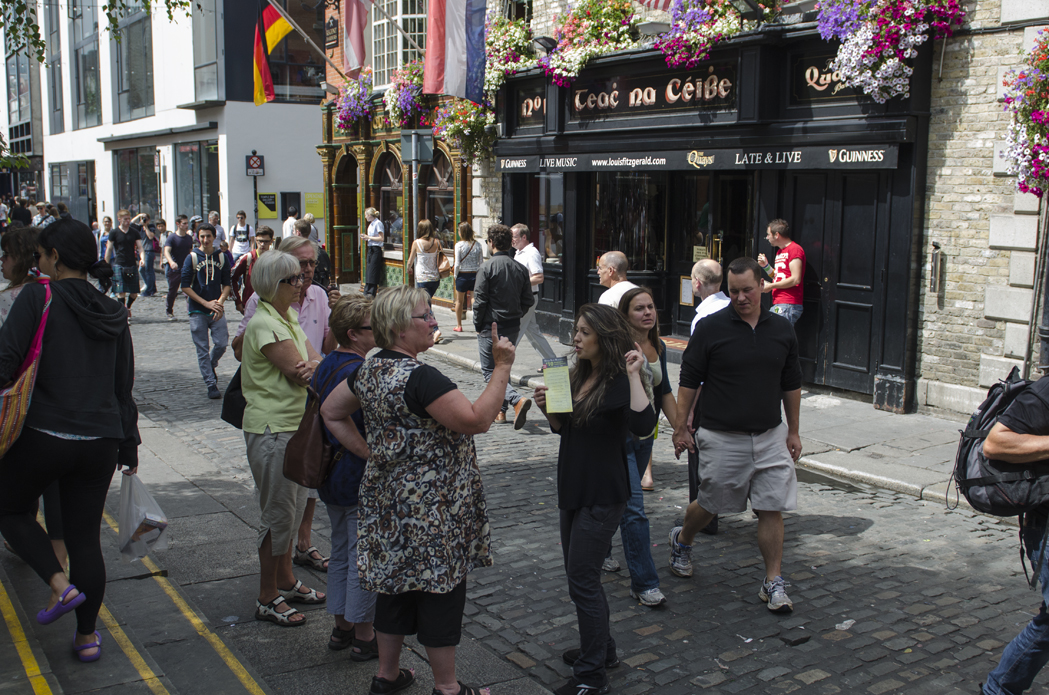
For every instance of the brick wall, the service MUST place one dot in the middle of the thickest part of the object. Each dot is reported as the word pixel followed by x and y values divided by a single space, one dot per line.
pixel 975 327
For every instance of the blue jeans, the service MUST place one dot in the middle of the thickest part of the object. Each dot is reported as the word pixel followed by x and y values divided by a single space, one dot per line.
pixel 484 349
pixel 791 312
pixel 633 528
pixel 346 598
pixel 1025 656
pixel 199 327
pixel 149 274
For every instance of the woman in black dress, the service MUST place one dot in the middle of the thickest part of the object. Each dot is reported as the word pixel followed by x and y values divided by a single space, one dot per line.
pixel 374 263
pixel 593 484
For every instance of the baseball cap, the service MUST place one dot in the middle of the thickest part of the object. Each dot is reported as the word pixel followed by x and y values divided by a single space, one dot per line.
pixel 195 218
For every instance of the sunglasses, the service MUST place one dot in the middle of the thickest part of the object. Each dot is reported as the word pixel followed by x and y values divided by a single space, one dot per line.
pixel 294 279
pixel 309 264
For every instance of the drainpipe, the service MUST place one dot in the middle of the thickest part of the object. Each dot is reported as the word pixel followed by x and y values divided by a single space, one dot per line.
pixel 1040 296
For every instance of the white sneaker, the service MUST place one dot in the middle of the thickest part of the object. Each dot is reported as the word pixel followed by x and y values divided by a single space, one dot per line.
pixel 611 565
pixel 650 597
pixel 774 594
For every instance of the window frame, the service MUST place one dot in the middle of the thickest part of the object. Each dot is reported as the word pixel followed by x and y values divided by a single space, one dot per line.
pixel 84 15
pixel 396 51
pixel 122 114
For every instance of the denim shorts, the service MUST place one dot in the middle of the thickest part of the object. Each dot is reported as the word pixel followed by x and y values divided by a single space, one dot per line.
pixel 791 312
pixel 465 282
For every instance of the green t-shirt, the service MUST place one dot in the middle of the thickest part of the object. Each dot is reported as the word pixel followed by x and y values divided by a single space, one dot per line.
pixel 273 400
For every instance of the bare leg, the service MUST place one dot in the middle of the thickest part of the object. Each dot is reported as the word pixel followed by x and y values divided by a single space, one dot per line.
pixel 389 655
pixel 269 568
pixel 442 662
pixel 646 479
pixel 770 542
pixel 460 308
pixel 697 518
pixel 59 547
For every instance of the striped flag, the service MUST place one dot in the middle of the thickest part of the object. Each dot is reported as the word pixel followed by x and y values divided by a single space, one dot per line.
pixel 353 51
pixel 455 49
pixel 270 29
pixel 656 4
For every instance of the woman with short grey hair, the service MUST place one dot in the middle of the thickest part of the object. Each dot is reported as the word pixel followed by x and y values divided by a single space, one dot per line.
pixel 277 365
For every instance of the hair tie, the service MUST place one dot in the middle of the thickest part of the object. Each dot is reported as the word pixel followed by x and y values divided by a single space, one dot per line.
pixel 97 264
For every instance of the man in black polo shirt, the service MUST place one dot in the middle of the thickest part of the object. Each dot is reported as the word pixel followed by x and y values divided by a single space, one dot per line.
pixel 746 360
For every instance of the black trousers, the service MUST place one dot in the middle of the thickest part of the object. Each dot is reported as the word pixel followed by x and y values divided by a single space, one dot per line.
pixel 83 471
pixel 585 535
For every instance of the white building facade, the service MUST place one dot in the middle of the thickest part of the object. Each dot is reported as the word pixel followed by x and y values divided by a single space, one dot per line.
pixel 162 120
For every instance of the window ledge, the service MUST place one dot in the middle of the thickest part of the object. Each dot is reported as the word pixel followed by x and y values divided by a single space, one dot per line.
pixel 204 104
pixel 393 255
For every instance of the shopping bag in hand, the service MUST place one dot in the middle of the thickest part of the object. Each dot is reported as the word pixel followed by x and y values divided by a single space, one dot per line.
pixel 143 526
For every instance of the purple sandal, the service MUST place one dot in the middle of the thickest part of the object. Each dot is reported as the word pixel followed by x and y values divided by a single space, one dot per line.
pixel 90 645
pixel 46 617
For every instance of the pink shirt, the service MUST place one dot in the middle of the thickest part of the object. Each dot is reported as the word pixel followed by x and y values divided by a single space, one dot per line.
pixel 313 316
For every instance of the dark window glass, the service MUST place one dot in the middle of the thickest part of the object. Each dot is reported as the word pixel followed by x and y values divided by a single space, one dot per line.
pixel 205 50
pixel 297 72
pixel 133 74
pixel 88 91
pixel 546 215
pixel 630 216
pixel 439 202
pixel 138 189
pixel 55 99
pixel 391 196
pixel 196 177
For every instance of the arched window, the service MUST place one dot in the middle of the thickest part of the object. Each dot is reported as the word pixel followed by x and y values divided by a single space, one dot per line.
pixel 391 199
pixel 439 198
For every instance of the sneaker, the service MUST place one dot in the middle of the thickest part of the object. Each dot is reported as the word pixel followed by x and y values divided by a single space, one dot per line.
pixel 680 555
pixel 521 412
pixel 611 564
pixel 774 594
pixel 650 597
pixel 171 317
pixel 575 687
pixel 572 656
pixel 214 393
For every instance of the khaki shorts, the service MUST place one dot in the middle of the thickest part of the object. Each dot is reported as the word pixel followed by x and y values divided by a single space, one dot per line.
pixel 736 467
pixel 282 502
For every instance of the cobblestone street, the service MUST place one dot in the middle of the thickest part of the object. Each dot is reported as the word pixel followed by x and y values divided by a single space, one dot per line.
pixel 891 593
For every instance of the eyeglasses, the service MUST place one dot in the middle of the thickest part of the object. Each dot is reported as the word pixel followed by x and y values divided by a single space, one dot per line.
pixel 308 264
pixel 425 317
pixel 294 279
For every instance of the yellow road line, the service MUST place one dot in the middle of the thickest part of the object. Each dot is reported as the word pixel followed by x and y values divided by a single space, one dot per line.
pixel 132 654
pixel 25 653
pixel 214 640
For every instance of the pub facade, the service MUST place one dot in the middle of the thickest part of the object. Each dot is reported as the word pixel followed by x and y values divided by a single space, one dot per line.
pixel 671 166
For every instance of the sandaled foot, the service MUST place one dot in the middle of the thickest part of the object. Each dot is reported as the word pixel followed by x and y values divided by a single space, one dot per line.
pixel 64 604
pixel 465 690
pixel 365 650
pixel 312 558
pixel 340 639
pixel 270 612
pixel 91 651
pixel 300 594
pixel 381 686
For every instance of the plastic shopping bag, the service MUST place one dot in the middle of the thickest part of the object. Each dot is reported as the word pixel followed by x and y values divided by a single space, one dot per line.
pixel 143 526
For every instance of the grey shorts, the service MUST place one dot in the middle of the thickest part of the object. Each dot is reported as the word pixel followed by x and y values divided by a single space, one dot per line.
pixel 736 467
pixel 282 502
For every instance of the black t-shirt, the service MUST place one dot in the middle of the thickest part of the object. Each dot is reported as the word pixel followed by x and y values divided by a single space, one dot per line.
pixel 1029 413
pixel 124 245
pixel 425 385
pixel 180 247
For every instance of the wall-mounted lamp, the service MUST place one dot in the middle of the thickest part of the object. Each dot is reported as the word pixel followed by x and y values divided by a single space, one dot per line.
pixel 545 44
pixel 329 88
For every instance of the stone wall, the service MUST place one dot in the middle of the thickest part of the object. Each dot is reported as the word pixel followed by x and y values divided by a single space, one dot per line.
pixel 974 327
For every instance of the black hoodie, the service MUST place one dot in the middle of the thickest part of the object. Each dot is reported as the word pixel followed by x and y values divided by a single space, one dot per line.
pixel 87 364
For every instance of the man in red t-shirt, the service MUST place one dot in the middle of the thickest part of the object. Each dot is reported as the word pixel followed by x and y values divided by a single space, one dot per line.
pixel 242 268
pixel 786 287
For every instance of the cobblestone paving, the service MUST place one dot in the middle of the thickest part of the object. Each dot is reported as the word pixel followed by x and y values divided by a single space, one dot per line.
pixel 891 594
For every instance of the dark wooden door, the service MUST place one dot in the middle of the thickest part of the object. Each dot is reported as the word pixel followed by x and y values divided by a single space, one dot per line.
pixel 841 222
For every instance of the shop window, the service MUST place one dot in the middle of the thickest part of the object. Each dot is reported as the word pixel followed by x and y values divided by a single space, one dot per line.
pixel 59 182
pixel 19 91
pixel 133 68
pixel 196 177
pixel 206 54
pixel 391 199
pixel 439 199
pixel 390 50
pixel 138 188
pixel 297 72
pixel 546 215
pixel 55 99
pixel 86 84
pixel 630 216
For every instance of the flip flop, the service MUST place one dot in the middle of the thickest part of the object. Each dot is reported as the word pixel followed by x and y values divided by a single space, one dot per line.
pixel 46 617
pixel 90 645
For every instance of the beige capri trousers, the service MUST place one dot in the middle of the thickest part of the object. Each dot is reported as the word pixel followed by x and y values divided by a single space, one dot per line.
pixel 282 501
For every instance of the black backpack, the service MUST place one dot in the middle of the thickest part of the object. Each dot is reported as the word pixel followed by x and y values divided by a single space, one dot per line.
pixel 995 487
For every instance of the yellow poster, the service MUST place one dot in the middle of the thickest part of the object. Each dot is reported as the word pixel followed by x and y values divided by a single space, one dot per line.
pixel 267 206
pixel 314 204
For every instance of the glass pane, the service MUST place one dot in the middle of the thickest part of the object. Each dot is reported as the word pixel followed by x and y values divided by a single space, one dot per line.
pixel 547 218
pixel 630 216
pixel 12 89
pixel 140 68
pixel 207 82
pixel 89 99
pixel 210 173
pixel 148 189
pixel 127 176
pixel 205 20
pixel 187 179
pixel 24 105
pixel 697 215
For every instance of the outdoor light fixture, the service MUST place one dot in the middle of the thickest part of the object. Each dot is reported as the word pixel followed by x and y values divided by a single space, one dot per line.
pixel 748 9
pixel 653 28
pixel 544 44
pixel 327 87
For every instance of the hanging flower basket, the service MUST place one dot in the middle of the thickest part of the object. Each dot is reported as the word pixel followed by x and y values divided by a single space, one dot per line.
pixel 354 105
pixel 403 99
pixel 1027 100
pixel 879 37
pixel 590 29
pixel 696 26
pixel 508 50
pixel 465 125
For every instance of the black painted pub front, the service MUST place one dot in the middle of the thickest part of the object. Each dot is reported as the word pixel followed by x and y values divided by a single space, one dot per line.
pixel 670 166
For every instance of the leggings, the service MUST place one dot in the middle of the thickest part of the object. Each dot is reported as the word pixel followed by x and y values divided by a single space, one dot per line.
pixel 83 470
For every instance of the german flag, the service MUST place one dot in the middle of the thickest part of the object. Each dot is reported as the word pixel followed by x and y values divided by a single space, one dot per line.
pixel 270 29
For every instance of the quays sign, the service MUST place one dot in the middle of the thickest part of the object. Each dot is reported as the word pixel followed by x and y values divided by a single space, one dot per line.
pixel 712 87
pixel 813 79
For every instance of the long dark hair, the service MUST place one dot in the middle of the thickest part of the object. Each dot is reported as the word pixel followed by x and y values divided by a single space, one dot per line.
pixel 20 244
pixel 615 341
pixel 76 249
pixel 624 309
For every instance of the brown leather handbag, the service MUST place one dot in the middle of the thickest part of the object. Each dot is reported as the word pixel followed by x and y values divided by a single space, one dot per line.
pixel 309 458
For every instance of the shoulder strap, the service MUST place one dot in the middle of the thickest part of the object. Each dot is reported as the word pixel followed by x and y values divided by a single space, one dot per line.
pixel 38 339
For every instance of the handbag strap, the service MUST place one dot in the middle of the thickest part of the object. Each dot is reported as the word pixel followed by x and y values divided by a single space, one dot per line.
pixel 38 340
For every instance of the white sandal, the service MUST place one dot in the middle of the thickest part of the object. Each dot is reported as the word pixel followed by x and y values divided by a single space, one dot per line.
pixel 269 612
pixel 293 595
